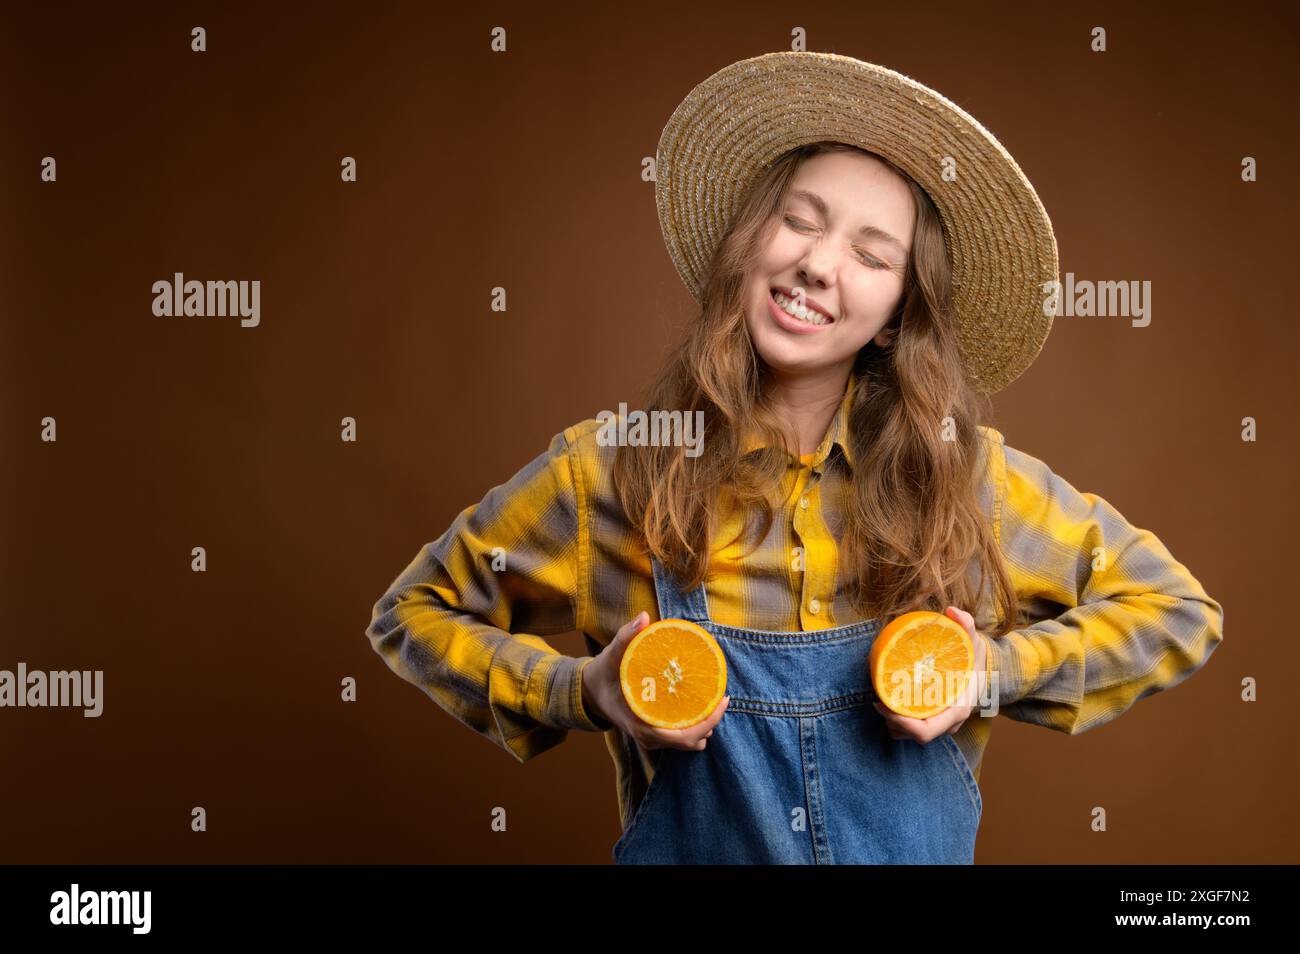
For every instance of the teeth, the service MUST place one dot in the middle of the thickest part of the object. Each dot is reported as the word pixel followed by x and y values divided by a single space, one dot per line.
pixel 795 310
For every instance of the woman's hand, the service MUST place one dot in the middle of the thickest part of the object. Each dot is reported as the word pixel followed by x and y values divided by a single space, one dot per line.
pixel 951 718
pixel 602 695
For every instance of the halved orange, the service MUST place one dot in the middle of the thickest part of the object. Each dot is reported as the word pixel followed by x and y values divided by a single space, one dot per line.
pixel 921 663
pixel 673 674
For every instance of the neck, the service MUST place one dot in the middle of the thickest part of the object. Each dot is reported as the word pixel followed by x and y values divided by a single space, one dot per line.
pixel 807 403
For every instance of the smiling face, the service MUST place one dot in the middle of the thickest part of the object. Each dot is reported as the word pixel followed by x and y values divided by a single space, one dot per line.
pixel 837 257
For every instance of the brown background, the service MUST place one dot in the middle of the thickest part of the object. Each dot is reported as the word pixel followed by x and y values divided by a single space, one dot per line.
pixel 523 170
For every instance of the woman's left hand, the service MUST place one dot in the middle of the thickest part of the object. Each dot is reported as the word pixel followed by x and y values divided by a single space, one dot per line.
pixel 951 718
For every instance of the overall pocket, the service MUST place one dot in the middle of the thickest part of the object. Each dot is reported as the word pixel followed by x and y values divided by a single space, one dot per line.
pixel 663 763
pixel 967 776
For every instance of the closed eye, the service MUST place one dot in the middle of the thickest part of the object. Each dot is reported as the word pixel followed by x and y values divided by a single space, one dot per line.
pixel 803 227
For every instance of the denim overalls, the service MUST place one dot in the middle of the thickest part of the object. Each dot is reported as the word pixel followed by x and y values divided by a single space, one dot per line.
pixel 800 769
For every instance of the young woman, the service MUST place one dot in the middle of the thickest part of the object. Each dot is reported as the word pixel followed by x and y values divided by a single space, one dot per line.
pixel 868 273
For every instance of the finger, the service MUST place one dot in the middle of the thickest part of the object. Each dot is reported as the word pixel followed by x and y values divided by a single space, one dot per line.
pixel 901 721
pixel 892 718
pixel 919 736
pixel 963 617
pixel 716 715
pixel 908 724
pixel 625 633
pixel 680 739
pixel 981 645
pixel 893 723
pixel 634 626
pixel 949 721
pixel 692 735
pixel 705 727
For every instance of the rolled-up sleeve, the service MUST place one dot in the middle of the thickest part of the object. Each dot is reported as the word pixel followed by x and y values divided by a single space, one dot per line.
pixel 464 621
pixel 1109 616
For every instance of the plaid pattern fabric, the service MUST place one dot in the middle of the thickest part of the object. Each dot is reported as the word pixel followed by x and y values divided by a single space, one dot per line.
pixel 1108 615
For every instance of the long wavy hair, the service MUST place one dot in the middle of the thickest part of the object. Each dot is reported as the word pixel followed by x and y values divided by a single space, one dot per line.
pixel 914 534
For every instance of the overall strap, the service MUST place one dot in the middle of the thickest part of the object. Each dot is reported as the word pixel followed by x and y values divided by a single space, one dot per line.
pixel 673 603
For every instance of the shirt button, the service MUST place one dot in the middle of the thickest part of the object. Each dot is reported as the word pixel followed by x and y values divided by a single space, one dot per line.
pixel 803 502
pixel 814 607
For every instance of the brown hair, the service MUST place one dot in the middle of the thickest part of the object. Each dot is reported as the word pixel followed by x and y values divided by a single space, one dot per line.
pixel 913 528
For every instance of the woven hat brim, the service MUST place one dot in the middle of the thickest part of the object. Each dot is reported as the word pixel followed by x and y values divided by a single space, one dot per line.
pixel 731 127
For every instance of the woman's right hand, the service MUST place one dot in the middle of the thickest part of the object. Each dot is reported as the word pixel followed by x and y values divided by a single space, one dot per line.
pixel 602 695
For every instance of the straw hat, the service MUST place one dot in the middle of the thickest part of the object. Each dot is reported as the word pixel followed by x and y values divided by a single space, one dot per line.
pixel 730 128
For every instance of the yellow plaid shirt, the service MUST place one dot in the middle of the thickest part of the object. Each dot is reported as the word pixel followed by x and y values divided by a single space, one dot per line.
pixel 1109 615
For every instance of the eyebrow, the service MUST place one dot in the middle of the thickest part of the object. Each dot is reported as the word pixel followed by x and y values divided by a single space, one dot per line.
pixel 871 231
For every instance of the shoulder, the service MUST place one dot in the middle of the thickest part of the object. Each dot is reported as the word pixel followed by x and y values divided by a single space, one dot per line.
pixel 583 434
pixel 588 440
pixel 1005 461
pixel 586 451
pixel 1017 474
pixel 994 450
pixel 991 435
pixel 991 473
pixel 1023 469
pixel 1033 494
pixel 1020 487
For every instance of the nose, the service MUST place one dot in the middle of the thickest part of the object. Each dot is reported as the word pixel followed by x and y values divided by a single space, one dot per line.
pixel 815 267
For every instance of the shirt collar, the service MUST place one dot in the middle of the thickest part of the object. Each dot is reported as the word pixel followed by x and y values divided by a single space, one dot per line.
pixel 837 434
